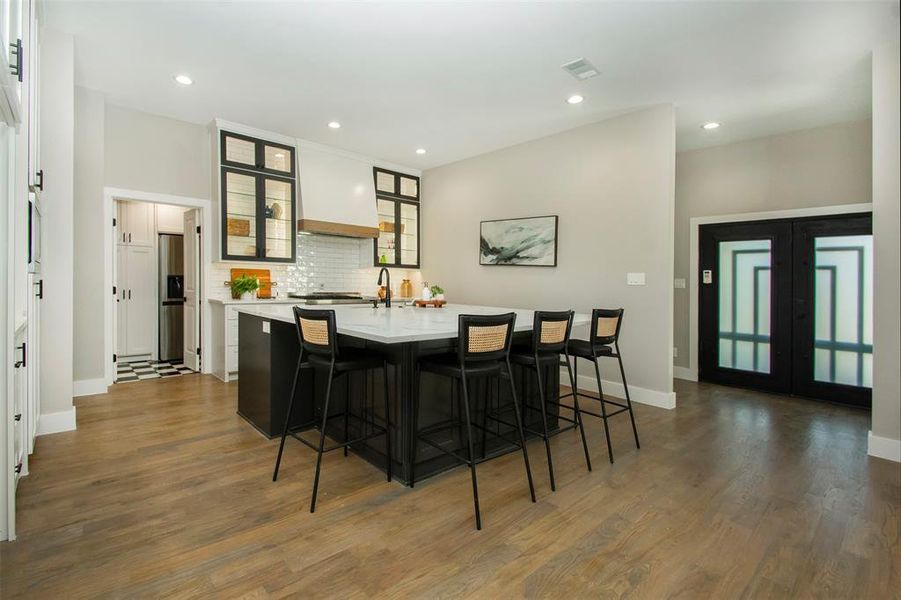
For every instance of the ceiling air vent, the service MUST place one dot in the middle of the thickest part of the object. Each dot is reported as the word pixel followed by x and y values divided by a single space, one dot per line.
pixel 580 68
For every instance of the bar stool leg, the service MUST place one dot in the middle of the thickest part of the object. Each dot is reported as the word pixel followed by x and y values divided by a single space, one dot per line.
pixel 597 372
pixel 281 446
pixel 572 381
pixel 547 438
pixel 471 455
pixel 522 435
pixel 328 396
pixel 388 422
pixel 485 400
pixel 622 373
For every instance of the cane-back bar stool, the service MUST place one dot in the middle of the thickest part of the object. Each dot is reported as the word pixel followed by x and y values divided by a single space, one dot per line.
pixel 319 350
pixel 550 336
pixel 483 350
pixel 603 341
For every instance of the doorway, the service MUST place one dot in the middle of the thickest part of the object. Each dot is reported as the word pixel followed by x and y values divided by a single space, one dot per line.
pixel 786 306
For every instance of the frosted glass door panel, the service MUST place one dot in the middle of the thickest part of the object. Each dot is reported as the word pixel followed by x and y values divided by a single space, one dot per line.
pixel 744 305
pixel 843 310
pixel 240 151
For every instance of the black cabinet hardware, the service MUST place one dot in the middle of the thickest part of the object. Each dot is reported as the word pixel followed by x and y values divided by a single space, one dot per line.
pixel 39 180
pixel 22 363
pixel 17 417
pixel 16 66
pixel 129 294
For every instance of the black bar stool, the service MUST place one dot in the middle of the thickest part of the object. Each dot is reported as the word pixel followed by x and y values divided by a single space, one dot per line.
pixel 483 350
pixel 603 341
pixel 550 336
pixel 318 337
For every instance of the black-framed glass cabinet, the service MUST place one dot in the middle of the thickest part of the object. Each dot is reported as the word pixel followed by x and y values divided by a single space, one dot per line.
pixel 258 190
pixel 397 201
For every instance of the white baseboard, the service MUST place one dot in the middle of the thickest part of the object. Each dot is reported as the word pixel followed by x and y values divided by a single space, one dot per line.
pixel 883 447
pixel 56 422
pixel 684 373
pixel 614 388
pixel 89 387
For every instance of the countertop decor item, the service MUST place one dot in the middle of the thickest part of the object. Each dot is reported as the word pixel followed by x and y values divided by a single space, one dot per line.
pixel 243 284
pixel 426 303
pixel 437 292
pixel 529 241
pixel 262 275
pixel 406 289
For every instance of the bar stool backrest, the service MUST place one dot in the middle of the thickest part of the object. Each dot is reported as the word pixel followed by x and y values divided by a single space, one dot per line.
pixel 485 337
pixel 551 330
pixel 316 331
pixel 605 325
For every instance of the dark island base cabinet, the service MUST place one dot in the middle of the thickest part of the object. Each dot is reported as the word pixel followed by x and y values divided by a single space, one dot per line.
pixel 267 362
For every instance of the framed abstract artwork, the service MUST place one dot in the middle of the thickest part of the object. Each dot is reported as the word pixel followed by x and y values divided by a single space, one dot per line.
pixel 525 242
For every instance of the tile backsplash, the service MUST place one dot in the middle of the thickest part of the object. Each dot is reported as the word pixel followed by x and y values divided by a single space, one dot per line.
pixel 324 263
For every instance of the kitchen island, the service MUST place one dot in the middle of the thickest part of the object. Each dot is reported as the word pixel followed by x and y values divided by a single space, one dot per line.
pixel 268 351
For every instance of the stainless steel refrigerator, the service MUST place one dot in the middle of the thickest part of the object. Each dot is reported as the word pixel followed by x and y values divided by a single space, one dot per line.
pixel 172 297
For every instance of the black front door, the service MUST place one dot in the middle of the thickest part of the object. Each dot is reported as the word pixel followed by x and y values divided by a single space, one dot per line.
pixel 786 306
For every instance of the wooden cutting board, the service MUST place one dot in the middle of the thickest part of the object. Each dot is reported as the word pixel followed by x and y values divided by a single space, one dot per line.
pixel 262 275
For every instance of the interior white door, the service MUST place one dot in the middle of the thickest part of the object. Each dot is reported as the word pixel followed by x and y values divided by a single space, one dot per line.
pixel 140 317
pixel 192 290
pixel 121 307
pixel 139 223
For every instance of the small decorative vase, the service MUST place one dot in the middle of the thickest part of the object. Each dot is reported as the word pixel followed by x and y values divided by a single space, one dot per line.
pixel 247 296
pixel 439 297
pixel 406 289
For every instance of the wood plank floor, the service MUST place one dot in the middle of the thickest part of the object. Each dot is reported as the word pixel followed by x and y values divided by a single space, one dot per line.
pixel 164 491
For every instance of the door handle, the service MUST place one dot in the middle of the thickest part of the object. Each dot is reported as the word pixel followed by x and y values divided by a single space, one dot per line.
pixel 129 237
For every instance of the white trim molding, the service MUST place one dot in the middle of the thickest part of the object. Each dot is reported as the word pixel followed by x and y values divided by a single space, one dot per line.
pixel 883 447
pixel 694 256
pixel 89 387
pixel 615 389
pixel 684 373
pixel 56 422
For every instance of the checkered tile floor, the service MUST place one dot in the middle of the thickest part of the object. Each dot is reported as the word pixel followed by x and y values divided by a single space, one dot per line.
pixel 149 369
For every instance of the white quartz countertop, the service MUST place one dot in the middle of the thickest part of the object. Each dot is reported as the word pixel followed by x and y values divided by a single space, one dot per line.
pixel 257 301
pixel 397 325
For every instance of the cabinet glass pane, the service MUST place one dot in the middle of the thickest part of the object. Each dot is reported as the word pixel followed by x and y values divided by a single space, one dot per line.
pixel 409 187
pixel 409 232
pixel 277 159
pixel 240 209
pixel 279 218
pixel 843 310
pixel 240 151
pixel 744 305
pixel 386 241
pixel 384 182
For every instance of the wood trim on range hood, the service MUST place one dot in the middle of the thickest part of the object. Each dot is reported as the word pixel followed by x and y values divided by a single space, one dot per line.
pixel 339 229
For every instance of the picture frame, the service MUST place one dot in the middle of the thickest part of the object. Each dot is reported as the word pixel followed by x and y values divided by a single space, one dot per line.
pixel 519 242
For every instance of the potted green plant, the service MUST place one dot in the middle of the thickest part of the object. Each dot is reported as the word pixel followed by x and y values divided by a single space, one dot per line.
pixel 437 292
pixel 243 286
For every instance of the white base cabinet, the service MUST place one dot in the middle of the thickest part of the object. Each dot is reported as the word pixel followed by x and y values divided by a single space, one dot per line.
pixel 224 335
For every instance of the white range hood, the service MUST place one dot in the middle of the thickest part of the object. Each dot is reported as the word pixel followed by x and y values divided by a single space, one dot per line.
pixel 337 193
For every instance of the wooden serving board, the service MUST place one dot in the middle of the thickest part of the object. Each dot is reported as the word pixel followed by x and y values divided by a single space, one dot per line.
pixel 426 303
pixel 262 275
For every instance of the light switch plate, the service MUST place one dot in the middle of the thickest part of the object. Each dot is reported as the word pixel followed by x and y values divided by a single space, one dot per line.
pixel 265 326
pixel 679 283
pixel 635 279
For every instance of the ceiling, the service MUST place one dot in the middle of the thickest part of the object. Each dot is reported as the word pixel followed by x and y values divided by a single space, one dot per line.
pixel 461 79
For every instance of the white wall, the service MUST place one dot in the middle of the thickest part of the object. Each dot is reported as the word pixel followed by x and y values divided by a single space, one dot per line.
pixel 611 183
pixel 89 287
pixel 57 148
pixel 886 428
pixel 156 154
pixel 824 166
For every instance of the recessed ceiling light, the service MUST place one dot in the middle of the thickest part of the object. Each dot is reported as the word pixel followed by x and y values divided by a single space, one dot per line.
pixel 420 151
pixel 334 124
pixel 710 126
pixel 575 99
pixel 183 79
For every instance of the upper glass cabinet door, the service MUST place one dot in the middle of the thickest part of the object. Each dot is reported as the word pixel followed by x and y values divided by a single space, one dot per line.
pixel 246 152
pixel 397 200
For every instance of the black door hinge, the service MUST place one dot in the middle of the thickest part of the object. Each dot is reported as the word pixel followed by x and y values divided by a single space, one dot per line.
pixel 39 180
pixel 115 358
pixel 17 417
pixel 198 353
pixel 16 66
pixel 114 291
pixel 198 229
pixel 40 294
pixel 18 468
pixel 114 221
pixel 24 361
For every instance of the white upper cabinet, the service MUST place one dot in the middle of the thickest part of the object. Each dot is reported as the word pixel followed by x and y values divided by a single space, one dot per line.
pixel 136 223
pixel 14 17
